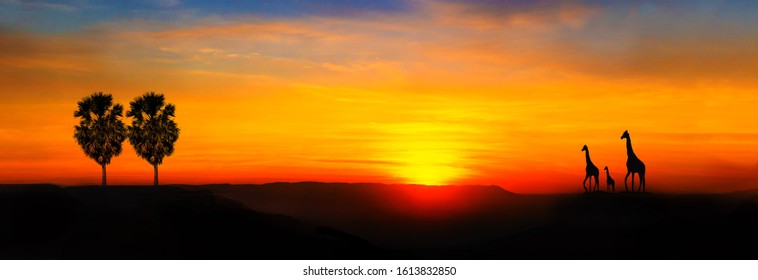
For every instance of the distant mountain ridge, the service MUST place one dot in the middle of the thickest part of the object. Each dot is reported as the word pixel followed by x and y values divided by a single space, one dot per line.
pixel 339 184
pixel 370 196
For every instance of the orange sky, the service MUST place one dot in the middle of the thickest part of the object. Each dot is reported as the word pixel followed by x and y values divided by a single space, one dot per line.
pixel 442 93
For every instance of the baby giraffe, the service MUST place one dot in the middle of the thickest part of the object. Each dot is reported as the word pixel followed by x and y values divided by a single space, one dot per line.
pixel 610 184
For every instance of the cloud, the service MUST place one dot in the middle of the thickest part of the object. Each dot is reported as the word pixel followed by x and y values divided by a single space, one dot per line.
pixel 165 3
pixel 492 42
pixel 34 53
pixel 358 161
pixel 524 14
pixel 64 7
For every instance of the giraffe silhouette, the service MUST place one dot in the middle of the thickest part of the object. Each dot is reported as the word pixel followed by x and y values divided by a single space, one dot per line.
pixel 633 164
pixel 591 171
pixel 609 182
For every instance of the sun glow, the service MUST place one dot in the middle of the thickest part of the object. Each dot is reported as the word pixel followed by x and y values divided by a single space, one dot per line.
pixel 427 162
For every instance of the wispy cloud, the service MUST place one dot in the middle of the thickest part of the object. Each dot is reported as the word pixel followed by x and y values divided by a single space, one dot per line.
pixel 65 7
pixel 165 3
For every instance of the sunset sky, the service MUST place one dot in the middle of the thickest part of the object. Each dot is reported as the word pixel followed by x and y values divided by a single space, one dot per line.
pixel 431 92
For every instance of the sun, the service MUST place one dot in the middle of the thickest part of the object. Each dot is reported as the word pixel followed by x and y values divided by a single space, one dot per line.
pixel 428 163
pixel 429 174
pixel 425 153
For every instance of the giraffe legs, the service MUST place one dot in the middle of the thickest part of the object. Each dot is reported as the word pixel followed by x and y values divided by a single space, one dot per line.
pixel 633 181
pixel 597 183
pixel 627 176
pixel 585 182
pixel 642 181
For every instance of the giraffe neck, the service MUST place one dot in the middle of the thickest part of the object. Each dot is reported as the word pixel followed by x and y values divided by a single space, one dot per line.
pixel 607 173
pixel 629 151
pixel 587 157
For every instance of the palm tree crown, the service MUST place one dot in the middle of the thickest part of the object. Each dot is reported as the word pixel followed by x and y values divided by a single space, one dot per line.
pixel 100 131
pixel 153 130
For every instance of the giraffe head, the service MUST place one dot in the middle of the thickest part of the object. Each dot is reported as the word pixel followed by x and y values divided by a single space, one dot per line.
pixel 585 148
pixel 625 135
pixel 606 168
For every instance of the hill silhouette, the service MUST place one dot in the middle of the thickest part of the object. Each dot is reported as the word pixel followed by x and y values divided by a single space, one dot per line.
pixel 312 220
pixel 381 212
pixel 492 223
pixel 49 222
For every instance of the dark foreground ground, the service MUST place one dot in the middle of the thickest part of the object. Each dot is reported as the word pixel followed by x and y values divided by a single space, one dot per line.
pixel 369 221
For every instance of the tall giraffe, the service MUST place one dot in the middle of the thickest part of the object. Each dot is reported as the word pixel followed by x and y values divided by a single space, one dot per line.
pixel 633 164
pixel 591 171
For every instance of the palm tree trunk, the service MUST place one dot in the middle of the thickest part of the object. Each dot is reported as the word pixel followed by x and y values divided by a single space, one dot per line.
pixel 155 181
pixel 103 175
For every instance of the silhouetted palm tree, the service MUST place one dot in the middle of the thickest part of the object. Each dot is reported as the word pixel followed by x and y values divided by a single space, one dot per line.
pixel 153 130
pixel 100 131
